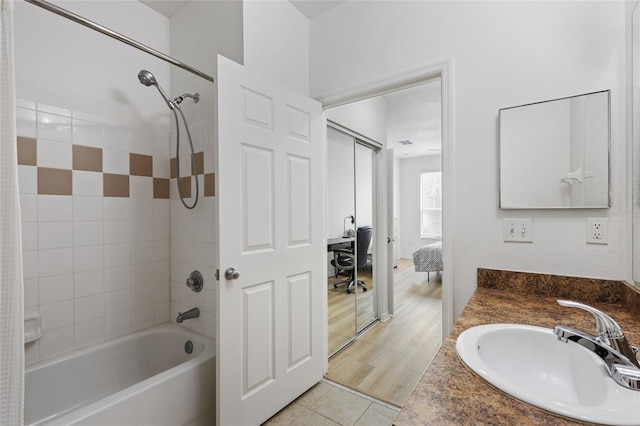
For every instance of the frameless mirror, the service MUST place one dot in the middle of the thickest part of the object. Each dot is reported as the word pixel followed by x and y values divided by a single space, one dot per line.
pixel 555 154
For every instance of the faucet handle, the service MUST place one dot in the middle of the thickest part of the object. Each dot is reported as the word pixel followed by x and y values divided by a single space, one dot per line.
pixel 607 327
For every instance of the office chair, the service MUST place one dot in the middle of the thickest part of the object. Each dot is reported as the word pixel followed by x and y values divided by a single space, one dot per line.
pixel 344 259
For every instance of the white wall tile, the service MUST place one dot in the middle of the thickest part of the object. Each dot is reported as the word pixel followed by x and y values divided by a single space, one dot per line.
pixel 52 109
pixel 142 231
pixel 88 333
pixel 79 115
pixel 142 318
pixel 116 255
pixel 55 261
pixel 88 258
pixel 141 142
pixel 89 307
pixel 161 145
pixel 141 208
pixel 116 136
pixel 116 162
pixel 161 292
pixel 117 278
pixel 162 209
pixel 141 187
pixel 116 231
pixel 56 342
pixel 28 179
pixel 117 325
pixel 209 301
pixel 54 154
pixel 25 122
pixel 209 325
pixel 56 315
pixel 30 264
pixel 161 271
pixel 31 352
pixel 161 230
pixel 87 133
pixel 31 293
pixel 117 301
pixel 88 208
pixel 87 183
pixel 29 207
pixel 142 295
pixel 55 208
pixel 56 288
pixel 29 236
pixel 88 283
pixel 54 127
pixel 161 167
pixel 161 313
pixel 87 233
pixel 24 103
pixel 161 250
pixel 141 274
pixel 116 208
pixel 141 252
pixel 55 235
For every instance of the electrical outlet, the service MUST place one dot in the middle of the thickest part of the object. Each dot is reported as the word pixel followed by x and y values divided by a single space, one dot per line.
pixel 597 231
pixel 517 230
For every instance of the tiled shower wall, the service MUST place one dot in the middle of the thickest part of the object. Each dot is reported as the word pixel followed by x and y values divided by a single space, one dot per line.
pixel 96 209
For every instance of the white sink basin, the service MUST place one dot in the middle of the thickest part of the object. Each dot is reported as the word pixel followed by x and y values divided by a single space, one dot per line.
pixel 531 364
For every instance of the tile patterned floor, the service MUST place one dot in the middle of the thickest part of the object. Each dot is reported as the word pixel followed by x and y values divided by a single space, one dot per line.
pixel 330 404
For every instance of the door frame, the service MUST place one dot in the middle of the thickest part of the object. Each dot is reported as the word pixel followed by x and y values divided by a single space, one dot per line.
pixel 443 71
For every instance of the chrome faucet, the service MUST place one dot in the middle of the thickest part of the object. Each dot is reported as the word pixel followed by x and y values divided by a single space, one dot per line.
pixel 610 345
pixel 191 313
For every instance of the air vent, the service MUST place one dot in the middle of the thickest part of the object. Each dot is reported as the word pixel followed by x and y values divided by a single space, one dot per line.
pixel 406 142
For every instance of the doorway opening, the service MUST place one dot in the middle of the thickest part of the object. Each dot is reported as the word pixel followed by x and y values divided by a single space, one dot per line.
pixel 391 357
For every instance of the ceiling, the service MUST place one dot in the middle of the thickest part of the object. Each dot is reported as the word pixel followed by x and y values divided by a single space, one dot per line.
pixel 414 114
pixel 308 8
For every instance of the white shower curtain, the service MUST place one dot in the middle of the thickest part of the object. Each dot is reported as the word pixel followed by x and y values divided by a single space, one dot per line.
pixel 11 284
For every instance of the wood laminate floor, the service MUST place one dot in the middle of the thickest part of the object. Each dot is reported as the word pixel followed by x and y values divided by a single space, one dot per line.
pixel 387 361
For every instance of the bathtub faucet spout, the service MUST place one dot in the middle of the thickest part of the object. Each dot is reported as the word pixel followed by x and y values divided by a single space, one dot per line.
pixel 191 313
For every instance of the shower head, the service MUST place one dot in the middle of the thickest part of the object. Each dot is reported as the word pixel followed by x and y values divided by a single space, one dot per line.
pixel 148 79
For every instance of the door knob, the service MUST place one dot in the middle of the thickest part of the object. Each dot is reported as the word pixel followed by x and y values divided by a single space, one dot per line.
pixel 231 274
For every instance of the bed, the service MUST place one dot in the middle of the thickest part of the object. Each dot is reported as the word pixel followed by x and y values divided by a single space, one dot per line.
pixel 428 258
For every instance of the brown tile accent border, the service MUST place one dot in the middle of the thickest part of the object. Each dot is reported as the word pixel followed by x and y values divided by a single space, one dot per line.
pixel 160 188
pixel 185 187
pixel 87 158
pixel 199 163
pixel 27 151
pixel 583 289
pixel 55 181
pixel 115 185
pixel 210 185
pixel 173 165
pixel 140 165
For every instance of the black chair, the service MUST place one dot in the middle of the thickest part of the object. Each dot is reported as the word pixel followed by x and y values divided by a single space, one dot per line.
pixel 344 259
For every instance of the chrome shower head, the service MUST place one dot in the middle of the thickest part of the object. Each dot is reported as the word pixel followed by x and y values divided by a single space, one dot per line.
pixel 148 79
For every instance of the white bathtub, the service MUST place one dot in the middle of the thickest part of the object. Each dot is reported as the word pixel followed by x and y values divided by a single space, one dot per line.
pixel 145 378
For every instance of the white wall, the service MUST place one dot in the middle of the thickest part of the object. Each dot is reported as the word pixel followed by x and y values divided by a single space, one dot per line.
pixel 502 53
pixel 276 42
pixel 409 170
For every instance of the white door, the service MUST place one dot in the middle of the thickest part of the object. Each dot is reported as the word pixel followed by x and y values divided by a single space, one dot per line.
pixel 271 217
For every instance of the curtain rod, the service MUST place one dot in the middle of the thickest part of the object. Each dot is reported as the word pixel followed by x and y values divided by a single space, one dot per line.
pixel 106 31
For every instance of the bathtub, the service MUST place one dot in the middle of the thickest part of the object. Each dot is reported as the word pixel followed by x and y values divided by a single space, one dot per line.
pixel 144 378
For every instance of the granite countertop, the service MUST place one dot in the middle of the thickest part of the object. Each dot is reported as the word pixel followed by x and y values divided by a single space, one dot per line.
pixel 451 394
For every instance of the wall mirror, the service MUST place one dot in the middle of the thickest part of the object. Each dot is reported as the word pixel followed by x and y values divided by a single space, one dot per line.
pixel 555 154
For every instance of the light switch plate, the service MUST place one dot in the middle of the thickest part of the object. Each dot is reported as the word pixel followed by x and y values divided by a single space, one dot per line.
pixel 517 230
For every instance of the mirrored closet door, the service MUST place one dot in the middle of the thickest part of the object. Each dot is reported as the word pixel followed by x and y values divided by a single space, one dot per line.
pixel 351 234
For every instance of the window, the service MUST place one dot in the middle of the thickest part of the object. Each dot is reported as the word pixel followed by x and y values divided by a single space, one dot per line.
pixel 431 205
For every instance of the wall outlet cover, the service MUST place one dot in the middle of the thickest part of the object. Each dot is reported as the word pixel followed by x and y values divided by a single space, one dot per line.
pixel 597 230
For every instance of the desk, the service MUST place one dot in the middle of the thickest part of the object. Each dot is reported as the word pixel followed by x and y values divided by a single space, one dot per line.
pixel 340 243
